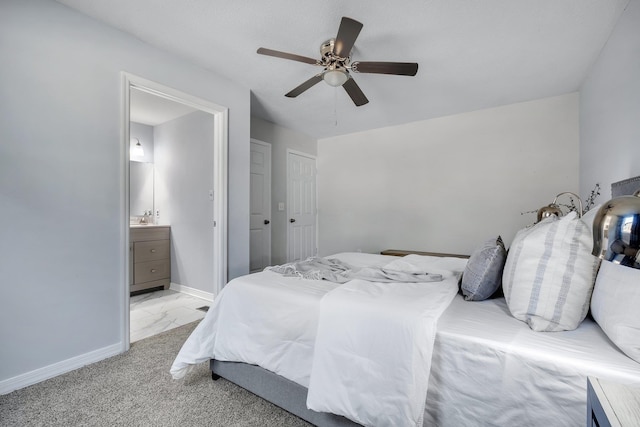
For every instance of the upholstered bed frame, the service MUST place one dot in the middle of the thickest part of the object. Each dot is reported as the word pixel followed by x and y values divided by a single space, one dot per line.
pixel 277 390
pixel 283 392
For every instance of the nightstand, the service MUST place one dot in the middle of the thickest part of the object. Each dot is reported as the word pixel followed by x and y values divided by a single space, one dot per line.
pixel 612 405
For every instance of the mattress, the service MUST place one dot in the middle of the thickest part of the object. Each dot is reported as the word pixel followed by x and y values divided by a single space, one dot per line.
pixel 490 369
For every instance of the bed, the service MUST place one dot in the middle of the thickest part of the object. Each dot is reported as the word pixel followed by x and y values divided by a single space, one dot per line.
pixel 482 366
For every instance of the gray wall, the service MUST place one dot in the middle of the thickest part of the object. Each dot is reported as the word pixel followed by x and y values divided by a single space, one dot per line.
pixel 446 184
pixel 62 259
pixel 281 140
pixel 184 176
pixel 610 109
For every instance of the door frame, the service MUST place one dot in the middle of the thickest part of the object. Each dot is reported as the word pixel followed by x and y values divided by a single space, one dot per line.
pixel 315 161
pixel 220 166
pixel 266 144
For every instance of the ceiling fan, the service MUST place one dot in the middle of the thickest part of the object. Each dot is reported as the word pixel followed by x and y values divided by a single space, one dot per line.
pixel 336 61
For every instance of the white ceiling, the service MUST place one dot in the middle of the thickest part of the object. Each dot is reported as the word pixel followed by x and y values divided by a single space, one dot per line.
pixel 472 54
pixel 153 110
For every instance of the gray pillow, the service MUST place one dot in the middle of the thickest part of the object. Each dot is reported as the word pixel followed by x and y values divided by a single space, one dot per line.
pixel 482 276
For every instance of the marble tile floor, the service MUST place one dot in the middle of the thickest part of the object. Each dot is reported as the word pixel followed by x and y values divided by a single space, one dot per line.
pixel 159 311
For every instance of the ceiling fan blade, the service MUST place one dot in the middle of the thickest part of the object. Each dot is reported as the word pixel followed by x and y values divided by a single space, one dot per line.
pixel 397 68
pixel 355 92
pixel 285 55
pixel 346 38
pixel 304 86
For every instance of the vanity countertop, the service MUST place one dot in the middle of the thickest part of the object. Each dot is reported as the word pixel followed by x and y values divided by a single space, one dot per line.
pixel 147 226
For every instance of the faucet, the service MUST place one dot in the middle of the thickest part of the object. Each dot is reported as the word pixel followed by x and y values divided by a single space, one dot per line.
pixel 144 219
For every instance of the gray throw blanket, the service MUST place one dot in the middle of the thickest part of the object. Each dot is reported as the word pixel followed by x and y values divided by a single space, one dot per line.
pixel 334 270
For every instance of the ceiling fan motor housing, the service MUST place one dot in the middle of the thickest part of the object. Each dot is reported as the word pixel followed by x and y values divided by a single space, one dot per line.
pixel 330 59
pixel 326 49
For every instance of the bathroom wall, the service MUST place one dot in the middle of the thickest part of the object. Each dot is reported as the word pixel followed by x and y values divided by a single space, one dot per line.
pixel 184 176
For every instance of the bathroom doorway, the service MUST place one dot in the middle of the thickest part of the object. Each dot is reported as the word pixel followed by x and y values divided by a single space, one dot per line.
pixel 175 168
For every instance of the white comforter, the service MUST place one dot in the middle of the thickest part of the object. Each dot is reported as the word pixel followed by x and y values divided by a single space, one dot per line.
pixel 363 349
pixel 373 350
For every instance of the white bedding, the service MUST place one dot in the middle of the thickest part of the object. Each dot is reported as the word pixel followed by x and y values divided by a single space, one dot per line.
pixel 271 321
pixel 487 369
pixel 373 348
pixel 490 369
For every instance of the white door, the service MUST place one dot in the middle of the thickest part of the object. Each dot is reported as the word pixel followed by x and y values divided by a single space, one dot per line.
pixel 301 202
pixel 260 206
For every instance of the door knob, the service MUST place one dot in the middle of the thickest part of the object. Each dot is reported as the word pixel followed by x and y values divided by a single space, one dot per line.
pixel 292 220
pixel 266 221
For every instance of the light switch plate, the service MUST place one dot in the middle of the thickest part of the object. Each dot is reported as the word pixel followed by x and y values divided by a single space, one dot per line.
pixel 281 206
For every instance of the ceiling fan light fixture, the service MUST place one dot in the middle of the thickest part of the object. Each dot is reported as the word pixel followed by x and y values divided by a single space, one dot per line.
pixel 335 77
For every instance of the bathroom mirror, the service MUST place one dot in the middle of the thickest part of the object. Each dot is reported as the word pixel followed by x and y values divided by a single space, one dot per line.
pixel 141 188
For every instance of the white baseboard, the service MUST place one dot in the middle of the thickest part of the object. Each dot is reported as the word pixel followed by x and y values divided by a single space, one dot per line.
pixel 192 291
pixel 59 368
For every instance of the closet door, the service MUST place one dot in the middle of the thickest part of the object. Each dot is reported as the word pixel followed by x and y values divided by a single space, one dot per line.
pixel 260 206
pixel 301 202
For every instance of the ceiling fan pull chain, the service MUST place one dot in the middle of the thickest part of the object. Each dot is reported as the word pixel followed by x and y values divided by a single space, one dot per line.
pixel 335 106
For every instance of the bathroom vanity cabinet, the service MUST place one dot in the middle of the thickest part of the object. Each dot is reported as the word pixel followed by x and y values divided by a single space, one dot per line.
pixel 150 260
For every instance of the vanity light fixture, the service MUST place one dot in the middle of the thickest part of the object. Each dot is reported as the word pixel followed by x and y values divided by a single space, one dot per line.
pixel 136 150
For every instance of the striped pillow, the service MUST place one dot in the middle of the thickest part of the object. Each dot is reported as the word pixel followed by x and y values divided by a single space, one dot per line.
pixel 549 274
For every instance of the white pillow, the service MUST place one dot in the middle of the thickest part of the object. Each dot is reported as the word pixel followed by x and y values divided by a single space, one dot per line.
pixel 549 274
pixel 615 305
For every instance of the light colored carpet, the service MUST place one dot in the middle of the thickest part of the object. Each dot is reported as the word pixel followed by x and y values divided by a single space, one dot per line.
pixel 135 389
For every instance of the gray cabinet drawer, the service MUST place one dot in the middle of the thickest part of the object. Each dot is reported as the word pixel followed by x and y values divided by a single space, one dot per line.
pixel 151 270
pixel 151 250
pixel 152 233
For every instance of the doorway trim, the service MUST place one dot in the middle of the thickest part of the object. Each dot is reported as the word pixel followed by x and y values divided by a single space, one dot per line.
pixel 220 166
